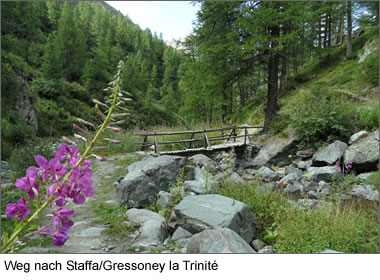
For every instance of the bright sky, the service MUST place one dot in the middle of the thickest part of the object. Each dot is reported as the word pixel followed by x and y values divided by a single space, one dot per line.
pixel 173 18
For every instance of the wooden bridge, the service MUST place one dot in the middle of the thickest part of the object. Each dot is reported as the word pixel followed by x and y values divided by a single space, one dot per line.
pixel 231 139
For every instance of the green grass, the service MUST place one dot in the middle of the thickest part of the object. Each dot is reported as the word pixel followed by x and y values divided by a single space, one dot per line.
pixel 115 219
pixel 373 179
pixel 350 228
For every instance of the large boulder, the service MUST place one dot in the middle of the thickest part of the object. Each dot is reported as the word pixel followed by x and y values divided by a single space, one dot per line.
pixel 220 240
pixel 278 152
pixel 147 177
pixel 364 154
pixel 330 154
pixel 324 173
pixel 153 228
pixel 197 213
pixel 203 161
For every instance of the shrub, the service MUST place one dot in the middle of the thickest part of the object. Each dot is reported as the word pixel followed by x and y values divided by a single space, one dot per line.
pixel 53 116
pixel 369 117
pixel 44 88
pixel 14 132
pixel 322 117
pixel 23 157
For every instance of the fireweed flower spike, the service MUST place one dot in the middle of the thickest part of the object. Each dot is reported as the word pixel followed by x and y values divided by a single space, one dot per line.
pixel 67 177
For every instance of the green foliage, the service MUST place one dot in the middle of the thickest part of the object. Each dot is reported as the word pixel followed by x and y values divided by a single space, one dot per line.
pixel 54 119
pixel 279 123
pixel 115 219
pixel 14 132
pixel 369 117
pixel 352 228
pixel 23 157
pixel 322 117
pixel 371 68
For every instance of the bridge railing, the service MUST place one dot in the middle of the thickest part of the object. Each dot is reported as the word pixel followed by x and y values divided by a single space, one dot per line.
pixel 231 136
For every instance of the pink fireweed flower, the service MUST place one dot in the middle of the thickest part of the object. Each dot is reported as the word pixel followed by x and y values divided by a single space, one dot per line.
pixel 65 153
pixel 60 236
pixel 60 217
pixel 56 169
pixel 19 209
pixel 60 197
pixel 80 185
pixel 34 172
pixel 27 184
pixel 44 230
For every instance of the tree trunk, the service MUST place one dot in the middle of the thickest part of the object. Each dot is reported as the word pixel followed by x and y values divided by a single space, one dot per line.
pixel 224 102
pixel 329 29
pixel 349 30
pixel 272 79
pixel 320 34
pixel 341 39
pixel 283 73
pixel 243 94
pixel 231 100
pixel 325 31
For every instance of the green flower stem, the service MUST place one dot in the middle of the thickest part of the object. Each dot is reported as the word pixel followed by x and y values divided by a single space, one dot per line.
pixel 67 176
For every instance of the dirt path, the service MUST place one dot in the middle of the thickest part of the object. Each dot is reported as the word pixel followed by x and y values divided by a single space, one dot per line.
pixel 86 236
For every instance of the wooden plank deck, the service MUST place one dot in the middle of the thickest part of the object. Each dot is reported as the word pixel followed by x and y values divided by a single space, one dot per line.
pixel 203 149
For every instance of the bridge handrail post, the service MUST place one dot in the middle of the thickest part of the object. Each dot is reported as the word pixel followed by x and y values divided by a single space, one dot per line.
pixel 156 149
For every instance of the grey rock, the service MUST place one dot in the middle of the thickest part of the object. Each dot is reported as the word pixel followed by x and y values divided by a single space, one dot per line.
pixel 197 187
pixel 366 191
pixel 204 182
pixel 364 154
pixel 267 174
pixel 325 173
pixel 257 244
pixel 172 223
pixel 248 177
pixel 223 166
pixel 181 233
pixel 305 154
pixel 24 105
pixel 330 154
pixel 203 161
pixel 236 179
pixel 329 251
pixel 355 137
pixel 290 169
pixel 276 152
pixel 219 240
pixel 304 164
pixel 164 199
pixel 153 228
pixel 294 187
pixel 324 188
pixel 342 196
pixel 267 250
pixel 197 213
pixel 291 178
pixel 251 171
pixel 147 177
pixel 310 204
